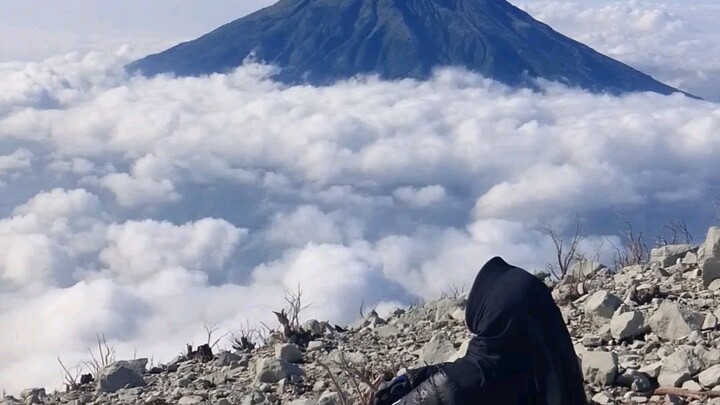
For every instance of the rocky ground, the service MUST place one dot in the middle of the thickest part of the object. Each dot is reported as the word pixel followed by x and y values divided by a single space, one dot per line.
pixel 644 334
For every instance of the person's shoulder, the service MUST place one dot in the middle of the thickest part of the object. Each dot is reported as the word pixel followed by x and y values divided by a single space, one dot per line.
pixel 436 390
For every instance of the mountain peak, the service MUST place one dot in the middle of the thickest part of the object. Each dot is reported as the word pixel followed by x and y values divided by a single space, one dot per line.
pixel 320 41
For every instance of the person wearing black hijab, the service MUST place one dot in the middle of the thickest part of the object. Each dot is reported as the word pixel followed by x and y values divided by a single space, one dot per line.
pixel 520 352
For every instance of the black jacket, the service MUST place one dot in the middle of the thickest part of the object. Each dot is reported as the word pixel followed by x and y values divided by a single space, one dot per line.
pixel 520 353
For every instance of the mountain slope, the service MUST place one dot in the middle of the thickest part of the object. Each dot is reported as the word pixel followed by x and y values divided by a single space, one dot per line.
pixel 319 41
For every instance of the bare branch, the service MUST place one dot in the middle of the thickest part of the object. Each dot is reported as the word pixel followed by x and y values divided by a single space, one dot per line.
pixel 634 249
pixel 566 251
pixel 70 379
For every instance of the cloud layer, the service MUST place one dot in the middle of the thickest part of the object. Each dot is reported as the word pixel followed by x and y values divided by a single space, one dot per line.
pixel 144 208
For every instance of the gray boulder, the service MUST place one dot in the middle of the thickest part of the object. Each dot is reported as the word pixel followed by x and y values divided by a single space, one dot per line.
pixel 627 325
pixel 673 321
pixel 601 306
pixel 314 327
pixel 119 375
pixel 288 352
pixel 668 255
pixel 679 367
pixel 600 368
pixel 438 350
pixel 224 358
pixel 709 256
pixel 446 307
pixel 33 392
pixel 274 370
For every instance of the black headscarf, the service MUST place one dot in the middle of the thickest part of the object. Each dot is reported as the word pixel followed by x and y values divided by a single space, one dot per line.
pixel 521 352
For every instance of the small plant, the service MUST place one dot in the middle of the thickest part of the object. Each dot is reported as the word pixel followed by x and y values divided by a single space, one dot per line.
pixel 210 330
pixel 453 292
pixel 289 317
pixel 71 376
pixel 105 355
pixel 633 250
pixel 247 338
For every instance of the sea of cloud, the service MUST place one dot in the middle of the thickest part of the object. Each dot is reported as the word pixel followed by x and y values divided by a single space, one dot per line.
pixel 145 208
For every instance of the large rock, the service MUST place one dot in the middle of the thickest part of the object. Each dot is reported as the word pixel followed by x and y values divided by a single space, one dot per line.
pixel 709 256
pixel 627 325
pixel 585 269
pixel 224 358
pixel 438 350
pixel 446 307
pixel 274 370
pixel 600 368
pixel 601 306
pixel 668 255
pixel 673 321
pixel 679 367
pixel 288 352
pixel 119 375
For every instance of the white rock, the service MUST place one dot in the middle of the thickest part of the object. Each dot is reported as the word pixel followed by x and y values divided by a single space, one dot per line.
pixel 601 306
pixel 710 377
pixel 711 320
pixel 668 255
pixel 709 256
pixel 437 350
pixel 118 375
pixel 600 367
pixel 679 367
pixel 603 398
pixel 672 321
pixel 458 315
pixel 691 385
pixel 190 400
pixel 288 352
pixel 446 307
pixel 627 325
pixel 274 370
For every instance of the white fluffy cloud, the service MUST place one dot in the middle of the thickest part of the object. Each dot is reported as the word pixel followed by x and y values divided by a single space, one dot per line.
pixel 141 208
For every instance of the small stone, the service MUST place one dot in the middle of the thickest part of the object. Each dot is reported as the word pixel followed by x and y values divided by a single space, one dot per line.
pixel 652 370
pixel 691 385
pixel 603 398
pixel 190 400
pixel 315 345
pixel 592 341
pixel 710 377
pixel 387 331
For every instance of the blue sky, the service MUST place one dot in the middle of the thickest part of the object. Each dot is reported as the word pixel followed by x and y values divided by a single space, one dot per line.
pixel 36 29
